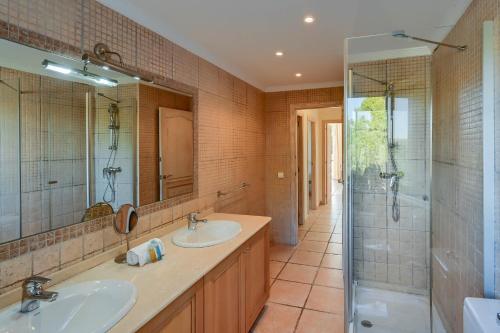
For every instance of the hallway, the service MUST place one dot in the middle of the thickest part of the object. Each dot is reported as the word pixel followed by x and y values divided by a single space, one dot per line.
pixel 307 293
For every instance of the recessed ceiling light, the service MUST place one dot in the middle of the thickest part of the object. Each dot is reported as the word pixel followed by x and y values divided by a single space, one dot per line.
pixel 309 19
pixel 279 53
pixel 298 74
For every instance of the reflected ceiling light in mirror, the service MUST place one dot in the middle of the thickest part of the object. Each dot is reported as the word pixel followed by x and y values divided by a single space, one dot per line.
pixel 80 74
pixel 298 74
pixel 309 19
pixel 279 53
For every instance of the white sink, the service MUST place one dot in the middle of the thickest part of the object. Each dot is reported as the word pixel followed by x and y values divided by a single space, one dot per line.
pixel 87 307
pixel 207 234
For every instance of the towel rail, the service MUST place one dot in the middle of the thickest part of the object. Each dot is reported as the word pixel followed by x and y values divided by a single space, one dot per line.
pixel 243 186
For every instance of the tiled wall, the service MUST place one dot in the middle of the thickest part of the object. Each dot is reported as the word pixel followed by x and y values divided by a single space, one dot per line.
pixel 280 110
pixel 393 254
pixel 231 126
pixel 457 215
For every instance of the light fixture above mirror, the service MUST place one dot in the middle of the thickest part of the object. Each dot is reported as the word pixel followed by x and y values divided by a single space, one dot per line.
pixel 79 74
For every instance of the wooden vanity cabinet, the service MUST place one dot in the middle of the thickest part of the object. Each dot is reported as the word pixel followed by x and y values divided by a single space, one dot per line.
pixel 224 306
pixel 184 315
pixel 228 299
pixel 257 276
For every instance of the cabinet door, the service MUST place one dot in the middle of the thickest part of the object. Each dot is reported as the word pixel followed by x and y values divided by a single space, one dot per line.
pixel 224 292
pixel 184 315
pixel 256 258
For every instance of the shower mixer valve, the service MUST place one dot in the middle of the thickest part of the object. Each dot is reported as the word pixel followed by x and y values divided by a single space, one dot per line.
pixel 393 176
pixel 111 171
pixel 390 175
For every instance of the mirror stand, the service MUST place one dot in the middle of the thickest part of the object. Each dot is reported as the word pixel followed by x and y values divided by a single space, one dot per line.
pixel 124 222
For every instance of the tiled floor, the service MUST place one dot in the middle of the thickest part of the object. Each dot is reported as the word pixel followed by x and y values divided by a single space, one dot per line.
pixel 307 294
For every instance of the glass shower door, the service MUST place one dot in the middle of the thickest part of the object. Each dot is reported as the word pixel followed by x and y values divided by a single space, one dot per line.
pixel 10 186
pixel 387 120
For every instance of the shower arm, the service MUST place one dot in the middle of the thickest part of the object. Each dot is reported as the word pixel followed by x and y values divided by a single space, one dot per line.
pixel 111 99
pixel 458 47
pixel 8 85
pixel 402 34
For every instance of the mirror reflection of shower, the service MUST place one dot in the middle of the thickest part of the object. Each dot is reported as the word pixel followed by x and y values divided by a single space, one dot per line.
pixel 110 172
pixel 393 174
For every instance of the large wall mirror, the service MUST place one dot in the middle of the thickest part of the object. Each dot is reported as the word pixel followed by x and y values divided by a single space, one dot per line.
pixel 74 135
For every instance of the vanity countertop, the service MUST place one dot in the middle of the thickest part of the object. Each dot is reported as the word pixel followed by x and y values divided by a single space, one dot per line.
pixel 159 284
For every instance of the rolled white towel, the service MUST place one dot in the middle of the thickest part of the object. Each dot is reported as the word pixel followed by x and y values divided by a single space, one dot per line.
pixel 150 251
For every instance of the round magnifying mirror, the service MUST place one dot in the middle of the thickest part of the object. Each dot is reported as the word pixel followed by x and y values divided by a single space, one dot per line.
pixel 100 209
pixel 125 221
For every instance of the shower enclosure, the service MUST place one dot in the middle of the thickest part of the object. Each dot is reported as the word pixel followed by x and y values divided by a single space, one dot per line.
pixel 387 192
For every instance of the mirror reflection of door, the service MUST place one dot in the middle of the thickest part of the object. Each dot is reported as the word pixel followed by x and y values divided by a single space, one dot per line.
pixel 176 152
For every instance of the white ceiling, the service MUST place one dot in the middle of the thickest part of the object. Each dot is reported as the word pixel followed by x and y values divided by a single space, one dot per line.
pixel 241 36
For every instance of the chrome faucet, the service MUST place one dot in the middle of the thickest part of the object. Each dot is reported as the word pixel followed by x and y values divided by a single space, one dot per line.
pixel 192 220
pixel 33 293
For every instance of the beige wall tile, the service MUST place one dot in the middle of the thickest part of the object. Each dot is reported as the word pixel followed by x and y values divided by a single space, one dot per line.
pixel 46 259
pixel 15 270
pixel 71 250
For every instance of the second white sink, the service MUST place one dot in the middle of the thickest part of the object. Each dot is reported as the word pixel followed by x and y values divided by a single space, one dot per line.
pixel 207 234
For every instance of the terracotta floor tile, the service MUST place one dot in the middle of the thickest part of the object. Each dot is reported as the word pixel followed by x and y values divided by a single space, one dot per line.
pixel 314 246
pixel 330 278
pixel 320 322
pixel 318 236
pixel 324 221
pixel 277 318
pixel 289 293
pixel 322 228
pixel 334 248
pixel 281 252
pixel 298 273
pixel 332 261
pixel 307 258
pixel 336 238
pixel 301 234
pixel 326 299
pixel 275 268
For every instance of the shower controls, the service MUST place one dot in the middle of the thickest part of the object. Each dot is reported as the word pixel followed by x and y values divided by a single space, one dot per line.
pixel 111 170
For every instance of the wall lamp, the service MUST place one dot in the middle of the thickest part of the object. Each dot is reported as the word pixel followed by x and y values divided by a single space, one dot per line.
pixel 102 58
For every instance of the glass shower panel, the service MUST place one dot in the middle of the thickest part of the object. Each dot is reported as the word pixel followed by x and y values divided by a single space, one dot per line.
pixel 10 188
pixel 63 162
pixel 388 153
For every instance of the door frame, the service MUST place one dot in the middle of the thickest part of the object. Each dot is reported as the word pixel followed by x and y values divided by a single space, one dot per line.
pixel 294 237
pixel 300 171
pixel 312 204
pixel 324 164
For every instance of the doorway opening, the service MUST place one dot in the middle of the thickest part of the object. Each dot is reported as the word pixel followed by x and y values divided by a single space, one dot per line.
pixel 319 159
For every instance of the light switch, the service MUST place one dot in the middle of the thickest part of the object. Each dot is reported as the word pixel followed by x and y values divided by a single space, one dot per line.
pixel 281 174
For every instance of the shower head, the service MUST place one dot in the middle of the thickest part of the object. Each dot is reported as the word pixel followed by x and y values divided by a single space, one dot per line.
pixel 399 34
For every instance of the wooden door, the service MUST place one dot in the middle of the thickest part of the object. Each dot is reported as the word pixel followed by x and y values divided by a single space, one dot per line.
pixel 184 315
pixel 224 297
pixel 257 278
pixel 300 171
pixel 176 152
